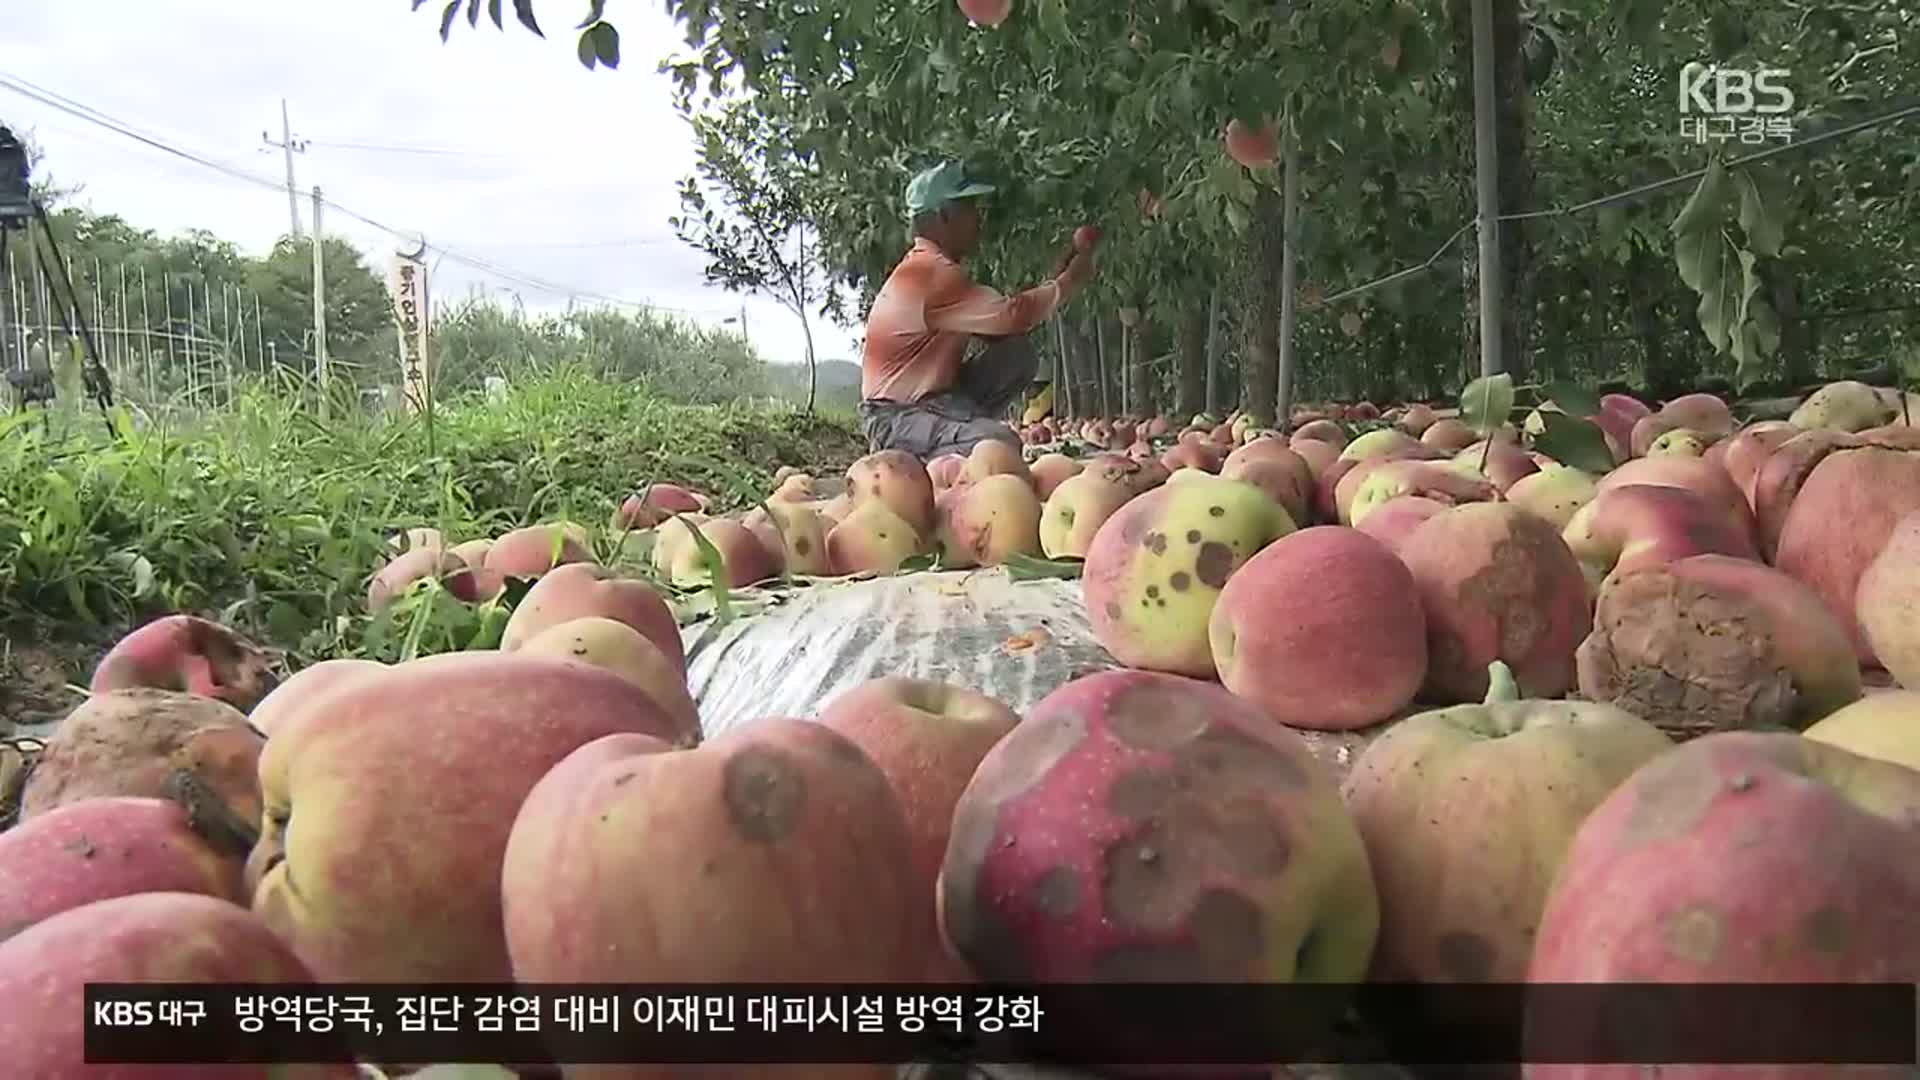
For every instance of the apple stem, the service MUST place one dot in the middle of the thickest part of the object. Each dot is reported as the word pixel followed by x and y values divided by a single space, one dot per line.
pixel 1501 686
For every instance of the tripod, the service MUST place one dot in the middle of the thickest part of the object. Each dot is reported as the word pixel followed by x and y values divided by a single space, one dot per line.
pixel 31 385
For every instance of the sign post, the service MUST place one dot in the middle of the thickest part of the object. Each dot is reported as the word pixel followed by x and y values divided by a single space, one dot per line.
pixel 408 283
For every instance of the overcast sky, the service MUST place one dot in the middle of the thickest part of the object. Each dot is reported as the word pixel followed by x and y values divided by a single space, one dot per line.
pixel 546 170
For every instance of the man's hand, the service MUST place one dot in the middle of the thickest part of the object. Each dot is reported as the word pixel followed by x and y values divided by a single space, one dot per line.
pixel 1079 269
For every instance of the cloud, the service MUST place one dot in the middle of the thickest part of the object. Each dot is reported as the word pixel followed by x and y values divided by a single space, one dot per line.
pixel 544 170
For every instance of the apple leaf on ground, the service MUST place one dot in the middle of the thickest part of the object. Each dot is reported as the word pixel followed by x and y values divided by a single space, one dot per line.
pixel 918 563
pixel 1574 400
pixel 1487 402
pixel 1578 444
pixel 1028 568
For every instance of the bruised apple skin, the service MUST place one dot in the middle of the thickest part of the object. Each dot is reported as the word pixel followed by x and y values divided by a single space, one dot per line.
pixel 1496 583
pixel 154 744
pixel 1738 857
pixel 896 479
pixel 96 849
pixel 192 655
pixel 1156 567
pixel 1140 827
pixel 1713 642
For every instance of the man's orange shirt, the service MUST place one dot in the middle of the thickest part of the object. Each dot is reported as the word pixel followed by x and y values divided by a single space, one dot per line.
pixel 921 321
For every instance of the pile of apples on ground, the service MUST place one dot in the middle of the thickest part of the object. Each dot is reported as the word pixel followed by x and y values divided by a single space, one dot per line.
pixel 1617 727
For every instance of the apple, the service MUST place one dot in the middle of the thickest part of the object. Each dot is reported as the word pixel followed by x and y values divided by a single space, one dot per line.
pixel 579 590
pixel 188 654
pixel 419 771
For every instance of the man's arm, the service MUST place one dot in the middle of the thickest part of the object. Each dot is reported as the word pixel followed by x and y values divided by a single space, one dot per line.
pixel 961 306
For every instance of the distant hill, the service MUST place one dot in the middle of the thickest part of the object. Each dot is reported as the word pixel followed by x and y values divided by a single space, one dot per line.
pixel 839 385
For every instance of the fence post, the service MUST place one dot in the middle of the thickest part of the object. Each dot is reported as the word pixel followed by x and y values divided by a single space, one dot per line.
pixel 319 304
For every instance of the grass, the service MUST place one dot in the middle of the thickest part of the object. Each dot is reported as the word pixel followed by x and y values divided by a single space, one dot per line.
pixel 272 520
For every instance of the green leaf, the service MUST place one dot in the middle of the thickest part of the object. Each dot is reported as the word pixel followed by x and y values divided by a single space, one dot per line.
pixel 1574 399
pixel 523 10
pixel 1764 205
pixel 716 567
pixel 1578 444
pixel 1720 290
pixel 606 44
pixel 1706 207
pixel 1487 402
pixel 495 13
pixel 917 563
pixel 589 55
pixel 451 12
pixel 1027 568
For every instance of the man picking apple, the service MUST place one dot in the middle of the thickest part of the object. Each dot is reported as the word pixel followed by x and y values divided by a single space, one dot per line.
pixel 944 356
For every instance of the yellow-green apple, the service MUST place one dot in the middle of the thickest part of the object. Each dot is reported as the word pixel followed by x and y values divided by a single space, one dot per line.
pixel 796 531
pixel 617 647
pixel 1887 601
pixel 532 551
pixel 1715 643
pixel 1323 629
pixel 1395 520
pixel 1156 567
pixel 1846 405
pixel 928 738
pixel 1143 827
pixel 1050 471
pixel 774 853
pixel 1555 493
pixel 1081 504
pixel 303 686
pixel 992 457
pixel 1449 435
pixel 1884 725
pixel 1738 857
pixel 1496 583
pixel 1679 442
pixel 191 655
pixel 170 937
pixel 1461 905
pixel 419 772
pixel 96 849
pixel 584 589
pixel 1379 443
pixel 1841 519
pixel 897 479
pixel 670 537
pixel 985 522
pixel 871 540
pixel 153 744
pixel 1389 480
pixel 1627 529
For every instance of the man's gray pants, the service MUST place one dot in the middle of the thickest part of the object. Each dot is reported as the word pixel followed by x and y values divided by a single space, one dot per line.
pixel 995 374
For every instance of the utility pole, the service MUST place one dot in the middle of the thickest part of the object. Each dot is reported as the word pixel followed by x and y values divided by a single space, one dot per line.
pixel 743 322
pixel 319 305
pixel 290 146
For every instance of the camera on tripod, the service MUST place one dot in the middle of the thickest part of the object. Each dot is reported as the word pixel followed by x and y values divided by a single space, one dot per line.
pixel 32 382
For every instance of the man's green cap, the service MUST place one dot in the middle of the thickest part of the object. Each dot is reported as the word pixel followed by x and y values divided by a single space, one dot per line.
pixel 934 188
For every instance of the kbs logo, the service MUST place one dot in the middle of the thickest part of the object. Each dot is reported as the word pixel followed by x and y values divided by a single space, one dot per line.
pixel 1722 103
pixel 1706 88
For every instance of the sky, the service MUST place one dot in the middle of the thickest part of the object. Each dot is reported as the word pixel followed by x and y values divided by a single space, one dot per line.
pixel 497 144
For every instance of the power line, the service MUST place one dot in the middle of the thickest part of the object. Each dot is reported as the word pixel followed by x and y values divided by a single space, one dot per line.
pixel 392 148
pixel 94 116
